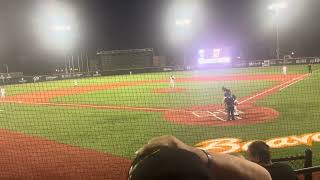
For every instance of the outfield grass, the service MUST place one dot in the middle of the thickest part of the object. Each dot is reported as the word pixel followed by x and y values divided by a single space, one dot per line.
pixel 121 132
pixel 197 93
pixel 45 86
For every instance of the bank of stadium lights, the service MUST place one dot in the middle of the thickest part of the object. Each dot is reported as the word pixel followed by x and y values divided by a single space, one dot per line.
pixel 63 33
pixel 276 8
pixel 183 22
pixel 56 25
pixel 61 28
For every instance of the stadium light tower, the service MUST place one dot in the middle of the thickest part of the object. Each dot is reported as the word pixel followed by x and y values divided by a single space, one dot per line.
pixel 276 8
pixel 7 68
pixel 63 31
pixel 55 23
pixel 184 24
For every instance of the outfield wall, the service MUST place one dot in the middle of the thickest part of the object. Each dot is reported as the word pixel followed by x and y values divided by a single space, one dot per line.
pixel 17 78
pixel 275 62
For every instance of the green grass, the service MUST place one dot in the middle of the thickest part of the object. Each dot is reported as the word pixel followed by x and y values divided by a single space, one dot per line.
pixel 45 86
pixel 197 93
pixel 121 132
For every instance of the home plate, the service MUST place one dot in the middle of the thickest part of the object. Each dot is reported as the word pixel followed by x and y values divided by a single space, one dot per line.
pixel 218 114
pixel 205 114
pixel 201 114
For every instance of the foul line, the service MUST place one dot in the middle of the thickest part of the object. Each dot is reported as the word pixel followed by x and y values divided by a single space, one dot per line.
pixel 98 106
pixel 194 113
pixel 275 87
pixel 298 80
pixel 221 119
pixel 219 110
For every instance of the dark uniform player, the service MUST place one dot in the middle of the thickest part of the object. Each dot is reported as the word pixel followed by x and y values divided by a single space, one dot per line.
pixel 310 68
pixel 226 93
pixel 229 102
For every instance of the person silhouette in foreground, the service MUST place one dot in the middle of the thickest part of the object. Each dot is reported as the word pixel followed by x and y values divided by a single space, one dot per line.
pixel 259 152
pixel 167 158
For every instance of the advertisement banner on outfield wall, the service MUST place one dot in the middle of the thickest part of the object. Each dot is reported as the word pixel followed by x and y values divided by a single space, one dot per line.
pixel 18 77
pixel 315 60
pixel 273 62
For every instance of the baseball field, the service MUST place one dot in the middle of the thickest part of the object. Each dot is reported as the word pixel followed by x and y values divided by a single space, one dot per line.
pixel 92 127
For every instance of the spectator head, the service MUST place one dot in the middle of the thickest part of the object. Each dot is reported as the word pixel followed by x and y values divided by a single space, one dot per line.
pixel 165 163
pixel 259 152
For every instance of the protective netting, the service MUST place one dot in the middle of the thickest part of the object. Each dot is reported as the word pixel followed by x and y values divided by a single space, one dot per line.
pixel 90 127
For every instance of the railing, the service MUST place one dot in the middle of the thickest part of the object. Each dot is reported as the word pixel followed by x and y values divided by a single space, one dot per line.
pixel 307 169
pixel 307 172
pixel 307 157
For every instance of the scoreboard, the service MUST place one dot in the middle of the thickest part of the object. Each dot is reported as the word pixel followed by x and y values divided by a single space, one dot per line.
pixel 213 56
pixel 125 59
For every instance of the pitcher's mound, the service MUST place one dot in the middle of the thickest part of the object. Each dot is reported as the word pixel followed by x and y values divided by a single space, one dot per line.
pixel 170 90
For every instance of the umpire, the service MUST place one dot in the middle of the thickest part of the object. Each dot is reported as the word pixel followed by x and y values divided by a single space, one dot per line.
pixel 310 68
pixel 229 102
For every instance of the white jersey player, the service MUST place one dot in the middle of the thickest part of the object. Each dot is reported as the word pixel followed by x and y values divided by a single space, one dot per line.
pixel 172 81
pixel 236 112
pixel 36 78
pixel 75 82
pixel 2 92
pixel 284 70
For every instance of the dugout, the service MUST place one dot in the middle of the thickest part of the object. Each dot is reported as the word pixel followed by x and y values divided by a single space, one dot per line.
pixel 125 59
pixel 11 78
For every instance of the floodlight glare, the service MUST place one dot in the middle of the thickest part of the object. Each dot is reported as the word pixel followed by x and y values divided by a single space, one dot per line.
pixel 178 22
pixel 277 6
pixel 221 60
pixel 187 21
pixel 183 22
pixel 61 28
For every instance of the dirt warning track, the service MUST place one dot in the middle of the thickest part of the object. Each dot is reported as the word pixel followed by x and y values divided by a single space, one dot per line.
pixel 27 157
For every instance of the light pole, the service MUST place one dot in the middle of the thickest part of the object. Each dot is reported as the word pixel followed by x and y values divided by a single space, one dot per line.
pixel 7 68
pixel 88 68
pixel 82 67
pixel 79 64
pixel 184 24
pixel 72 64
pixel 276 8
pixel 65 64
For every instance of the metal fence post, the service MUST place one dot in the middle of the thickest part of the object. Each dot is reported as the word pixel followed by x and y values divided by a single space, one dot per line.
pixel 308 163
